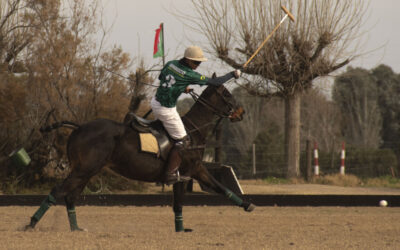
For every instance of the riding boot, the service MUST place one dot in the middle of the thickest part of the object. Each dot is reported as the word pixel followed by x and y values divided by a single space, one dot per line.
pixel 174 162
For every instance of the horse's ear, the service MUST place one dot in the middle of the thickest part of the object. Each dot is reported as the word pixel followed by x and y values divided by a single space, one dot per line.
pixel 214 75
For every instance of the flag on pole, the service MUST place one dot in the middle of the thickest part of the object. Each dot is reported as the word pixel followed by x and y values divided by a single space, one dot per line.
pixel 159 42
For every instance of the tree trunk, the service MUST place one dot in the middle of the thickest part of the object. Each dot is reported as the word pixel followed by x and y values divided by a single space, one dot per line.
pixel 292 134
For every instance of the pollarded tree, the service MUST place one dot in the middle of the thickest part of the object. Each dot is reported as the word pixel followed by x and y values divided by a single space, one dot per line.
pixel 318 43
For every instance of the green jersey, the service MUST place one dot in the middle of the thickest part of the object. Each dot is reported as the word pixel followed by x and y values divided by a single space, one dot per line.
pixel 174 79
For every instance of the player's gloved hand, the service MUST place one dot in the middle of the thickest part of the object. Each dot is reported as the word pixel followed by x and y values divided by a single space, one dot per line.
pixel 188 90
pixel 237 73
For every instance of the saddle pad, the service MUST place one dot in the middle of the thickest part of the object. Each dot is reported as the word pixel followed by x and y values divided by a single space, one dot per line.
pixel 148 143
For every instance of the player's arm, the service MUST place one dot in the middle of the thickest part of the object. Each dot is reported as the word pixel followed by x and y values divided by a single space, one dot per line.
pixel 217 81
pixel 196 78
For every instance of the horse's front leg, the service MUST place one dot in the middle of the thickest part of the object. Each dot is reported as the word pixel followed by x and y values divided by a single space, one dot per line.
pixel 179 191
pixel 204 177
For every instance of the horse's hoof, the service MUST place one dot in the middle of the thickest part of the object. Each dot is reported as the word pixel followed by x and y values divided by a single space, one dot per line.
pixel 186 230
pixel 249 207
pixel 79 230
pixel 28 228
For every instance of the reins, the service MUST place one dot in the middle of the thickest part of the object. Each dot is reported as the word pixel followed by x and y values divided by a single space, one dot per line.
pixel 221 114
pixel 197 98
pixel 196 128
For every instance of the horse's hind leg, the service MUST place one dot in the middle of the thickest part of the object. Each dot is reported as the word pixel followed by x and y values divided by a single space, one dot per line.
pixel 70 189
pixel 70 199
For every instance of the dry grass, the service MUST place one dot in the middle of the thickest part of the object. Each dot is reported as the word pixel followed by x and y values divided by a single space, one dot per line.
pixel 383 182
pixel 338 180
pixel 349 180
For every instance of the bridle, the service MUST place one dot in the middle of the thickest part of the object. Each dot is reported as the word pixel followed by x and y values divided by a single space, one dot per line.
pixel 221 113
pixel 217 111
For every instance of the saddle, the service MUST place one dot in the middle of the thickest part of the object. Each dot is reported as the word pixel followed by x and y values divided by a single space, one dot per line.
pixel 155 128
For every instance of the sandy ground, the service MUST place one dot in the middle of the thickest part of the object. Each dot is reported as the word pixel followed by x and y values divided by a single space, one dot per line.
pixel 214 228
pixel 259 187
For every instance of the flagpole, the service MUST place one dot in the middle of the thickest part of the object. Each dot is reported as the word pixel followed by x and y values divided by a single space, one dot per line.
pixel 163 38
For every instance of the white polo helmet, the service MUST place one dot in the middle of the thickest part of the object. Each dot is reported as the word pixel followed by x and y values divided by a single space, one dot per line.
pixel 195 53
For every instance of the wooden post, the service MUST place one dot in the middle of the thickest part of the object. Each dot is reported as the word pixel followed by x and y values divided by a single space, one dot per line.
pixel 254 159
pixel 163 41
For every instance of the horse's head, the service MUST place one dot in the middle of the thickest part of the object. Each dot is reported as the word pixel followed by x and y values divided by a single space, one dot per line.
pixel 222 103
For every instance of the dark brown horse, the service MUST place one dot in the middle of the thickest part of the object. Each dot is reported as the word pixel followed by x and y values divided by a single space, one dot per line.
pixel 105 143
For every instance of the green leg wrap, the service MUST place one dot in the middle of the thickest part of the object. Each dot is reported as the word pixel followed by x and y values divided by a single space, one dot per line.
pixel 72 220
pixel 233 197
pixel 49 201
pixel 179 222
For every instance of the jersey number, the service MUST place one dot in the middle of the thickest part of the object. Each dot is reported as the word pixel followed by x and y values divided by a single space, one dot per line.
pixel 169 81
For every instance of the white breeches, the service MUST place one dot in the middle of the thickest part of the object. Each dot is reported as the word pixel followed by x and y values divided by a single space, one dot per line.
pixel 170 119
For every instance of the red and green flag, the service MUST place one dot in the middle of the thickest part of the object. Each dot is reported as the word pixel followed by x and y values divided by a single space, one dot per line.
pixel 159 42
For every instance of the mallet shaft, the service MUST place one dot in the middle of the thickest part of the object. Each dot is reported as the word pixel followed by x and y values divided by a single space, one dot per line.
pixel 288 14
pixel 262 44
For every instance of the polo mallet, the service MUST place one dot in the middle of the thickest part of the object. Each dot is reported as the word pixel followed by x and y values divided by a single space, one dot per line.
pixel 288 14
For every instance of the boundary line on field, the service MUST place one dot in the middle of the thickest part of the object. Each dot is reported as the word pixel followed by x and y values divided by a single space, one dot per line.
pixel 209 200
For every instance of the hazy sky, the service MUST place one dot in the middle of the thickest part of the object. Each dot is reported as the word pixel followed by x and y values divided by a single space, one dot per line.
pixel 135 23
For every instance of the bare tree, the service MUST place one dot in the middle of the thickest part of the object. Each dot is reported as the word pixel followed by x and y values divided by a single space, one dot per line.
pixel 245 132
pixel 321 121
pixel 65 69
pixel 318 43
pixel 357 94
pixel 16 23
pixel 69 65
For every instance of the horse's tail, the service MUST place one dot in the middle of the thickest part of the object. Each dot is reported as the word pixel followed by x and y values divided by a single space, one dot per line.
pixel 66 124
pixel 135 102
pixel 133 107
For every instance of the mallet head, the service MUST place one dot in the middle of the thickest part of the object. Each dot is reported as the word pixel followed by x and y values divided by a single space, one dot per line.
pixel 290 15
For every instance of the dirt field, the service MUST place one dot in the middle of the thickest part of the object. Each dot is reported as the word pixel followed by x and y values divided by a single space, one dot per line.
pixel 259 187
pixel 214 228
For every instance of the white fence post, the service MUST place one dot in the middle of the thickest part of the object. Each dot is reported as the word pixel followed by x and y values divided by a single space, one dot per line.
pixel 316 165
pixel 342 157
